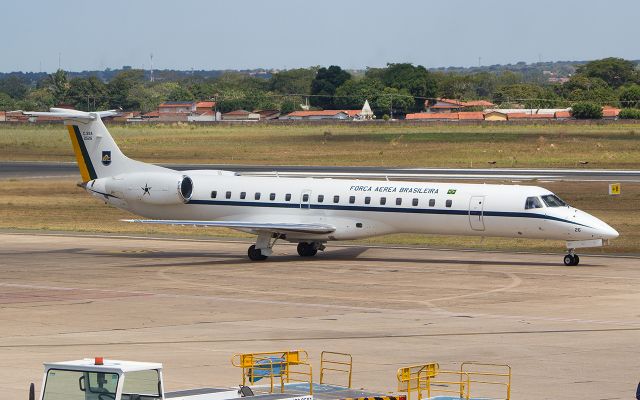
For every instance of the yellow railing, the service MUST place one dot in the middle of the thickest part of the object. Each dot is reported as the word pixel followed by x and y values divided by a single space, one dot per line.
pixel 264 368
pixel 409 377
pixel 425 380
pixel 305 376
pixel 489 374
pixel 336 362
pixel 440 384
pixel 247 361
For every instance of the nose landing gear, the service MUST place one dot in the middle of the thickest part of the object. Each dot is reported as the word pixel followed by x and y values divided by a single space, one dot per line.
pixel 571 259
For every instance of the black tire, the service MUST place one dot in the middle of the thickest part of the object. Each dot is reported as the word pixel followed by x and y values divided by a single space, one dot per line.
pixel 306 249
pixel 576 259
pixel 569 260
pixel 255 254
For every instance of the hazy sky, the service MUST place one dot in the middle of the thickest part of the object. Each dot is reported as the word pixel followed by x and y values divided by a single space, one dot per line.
pixel 185 34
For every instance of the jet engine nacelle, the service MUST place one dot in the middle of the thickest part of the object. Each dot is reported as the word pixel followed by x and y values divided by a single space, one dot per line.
pixel 158 188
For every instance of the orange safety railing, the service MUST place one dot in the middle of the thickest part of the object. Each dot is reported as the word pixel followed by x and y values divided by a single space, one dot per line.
pixel 267 368
pixel 336 362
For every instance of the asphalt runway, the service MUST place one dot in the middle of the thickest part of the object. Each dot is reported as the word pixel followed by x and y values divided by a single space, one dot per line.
pixel 568 332
pixel 34 169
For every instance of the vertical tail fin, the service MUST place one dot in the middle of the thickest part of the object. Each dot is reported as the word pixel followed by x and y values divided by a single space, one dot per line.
pixel 96 152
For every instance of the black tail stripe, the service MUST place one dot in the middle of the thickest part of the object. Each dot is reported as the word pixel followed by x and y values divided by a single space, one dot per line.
pixel 85 154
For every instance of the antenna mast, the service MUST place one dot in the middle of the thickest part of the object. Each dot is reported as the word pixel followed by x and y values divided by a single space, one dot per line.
pixel 151 57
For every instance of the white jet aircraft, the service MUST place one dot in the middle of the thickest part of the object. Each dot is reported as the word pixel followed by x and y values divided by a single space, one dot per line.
pixel 312 212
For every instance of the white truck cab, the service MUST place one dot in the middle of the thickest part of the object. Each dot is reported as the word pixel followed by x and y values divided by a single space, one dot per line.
pixel 101 379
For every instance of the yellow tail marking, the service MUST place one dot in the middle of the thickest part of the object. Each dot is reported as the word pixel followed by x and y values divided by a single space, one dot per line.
pixel 84 172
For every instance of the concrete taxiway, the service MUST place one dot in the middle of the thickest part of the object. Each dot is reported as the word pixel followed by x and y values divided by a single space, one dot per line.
pixel 568 332
pixel 34 169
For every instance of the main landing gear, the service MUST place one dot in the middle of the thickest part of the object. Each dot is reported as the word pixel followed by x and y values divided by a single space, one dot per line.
pixel 306 249
pixel 572 258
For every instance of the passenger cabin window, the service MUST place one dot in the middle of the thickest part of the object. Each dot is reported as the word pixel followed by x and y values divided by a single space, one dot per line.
pixel 287 197
pixel 432 202
pixel 398 201
pixel 320 198
pixel 352 199
pixel 228 195
pixel 214 194
pixel 383 201
pixel 257 196
pixel 532 202
pixel 448 203
pixel 367 200
pixel 551 200
pixel 415 202
pixel 305 198
pixel 272 196
pixel 243 195
pixel 336 199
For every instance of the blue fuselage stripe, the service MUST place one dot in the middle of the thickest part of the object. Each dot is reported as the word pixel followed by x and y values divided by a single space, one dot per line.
pixel 434 211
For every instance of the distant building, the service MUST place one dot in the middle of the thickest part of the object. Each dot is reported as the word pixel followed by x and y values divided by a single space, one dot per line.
pixel 176 111
pixel 366 113
pixel 204 112
pixel 447 116
pixel 241 115
pixel 451 105
pixel 323 114
pixel 3 116
pixel 610 112
pixel 266 115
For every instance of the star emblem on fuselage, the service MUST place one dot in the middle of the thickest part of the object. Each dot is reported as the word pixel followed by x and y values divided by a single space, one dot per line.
pixel 146 190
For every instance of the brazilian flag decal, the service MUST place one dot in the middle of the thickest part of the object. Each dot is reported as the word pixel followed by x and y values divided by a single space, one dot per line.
pixel 451 191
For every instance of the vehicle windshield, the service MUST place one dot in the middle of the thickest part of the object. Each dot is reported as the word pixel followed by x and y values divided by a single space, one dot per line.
pixel 142 384
pixel 551 200
pixel 80 385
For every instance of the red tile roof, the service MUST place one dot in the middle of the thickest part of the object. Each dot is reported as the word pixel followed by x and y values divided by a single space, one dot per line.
pixel 563 114
pixel 608 112
pixel 238 112
pixel 151 114
pixel 205 104
pixel 478 103
pixel 176 104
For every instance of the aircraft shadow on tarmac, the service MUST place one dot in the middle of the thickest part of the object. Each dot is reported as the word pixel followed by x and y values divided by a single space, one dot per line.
pixel 337 254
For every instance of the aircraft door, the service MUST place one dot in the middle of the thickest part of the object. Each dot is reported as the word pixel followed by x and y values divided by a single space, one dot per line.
pixel 476 213
pixel 305 199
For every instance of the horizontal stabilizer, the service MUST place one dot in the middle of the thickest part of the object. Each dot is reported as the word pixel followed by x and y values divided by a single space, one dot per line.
pixel 71 114
pixel 253 226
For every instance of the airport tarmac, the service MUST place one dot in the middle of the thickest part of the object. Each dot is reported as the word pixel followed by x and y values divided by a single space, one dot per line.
pixel 568 332
pixel 51 169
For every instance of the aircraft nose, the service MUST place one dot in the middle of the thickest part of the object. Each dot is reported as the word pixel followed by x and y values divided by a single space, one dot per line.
pixel 608 232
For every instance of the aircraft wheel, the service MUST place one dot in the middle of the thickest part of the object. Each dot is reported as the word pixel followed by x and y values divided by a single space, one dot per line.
pixel 307 249
pixel 255 254
pixel 576 259
pixel 569 260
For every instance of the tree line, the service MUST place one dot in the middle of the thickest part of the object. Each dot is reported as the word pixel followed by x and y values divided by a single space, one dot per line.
pixel 398 88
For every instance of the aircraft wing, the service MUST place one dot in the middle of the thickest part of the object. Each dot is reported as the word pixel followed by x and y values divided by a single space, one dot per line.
pixel 279 227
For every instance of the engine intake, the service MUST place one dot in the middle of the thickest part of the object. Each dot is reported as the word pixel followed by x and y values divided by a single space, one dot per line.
pixel 152 188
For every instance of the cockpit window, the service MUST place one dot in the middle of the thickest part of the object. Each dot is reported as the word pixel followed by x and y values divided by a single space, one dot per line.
pixel 551 200
pixel 532 202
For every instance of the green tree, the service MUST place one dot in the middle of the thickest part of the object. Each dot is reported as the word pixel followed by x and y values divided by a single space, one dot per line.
pixel 58 84
pixel 586 110
pixel 419 82
pixel 14 86
pixel 393 100
pixel 293 81
pixel 6 102
pixel 325 84
pixel 180 93
pixel 42 99
pixel 119 87
pixel 629 113
pixel 527 94
pixel 352 94
pixel 614 71
pixel 87 94
pixel 630 96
